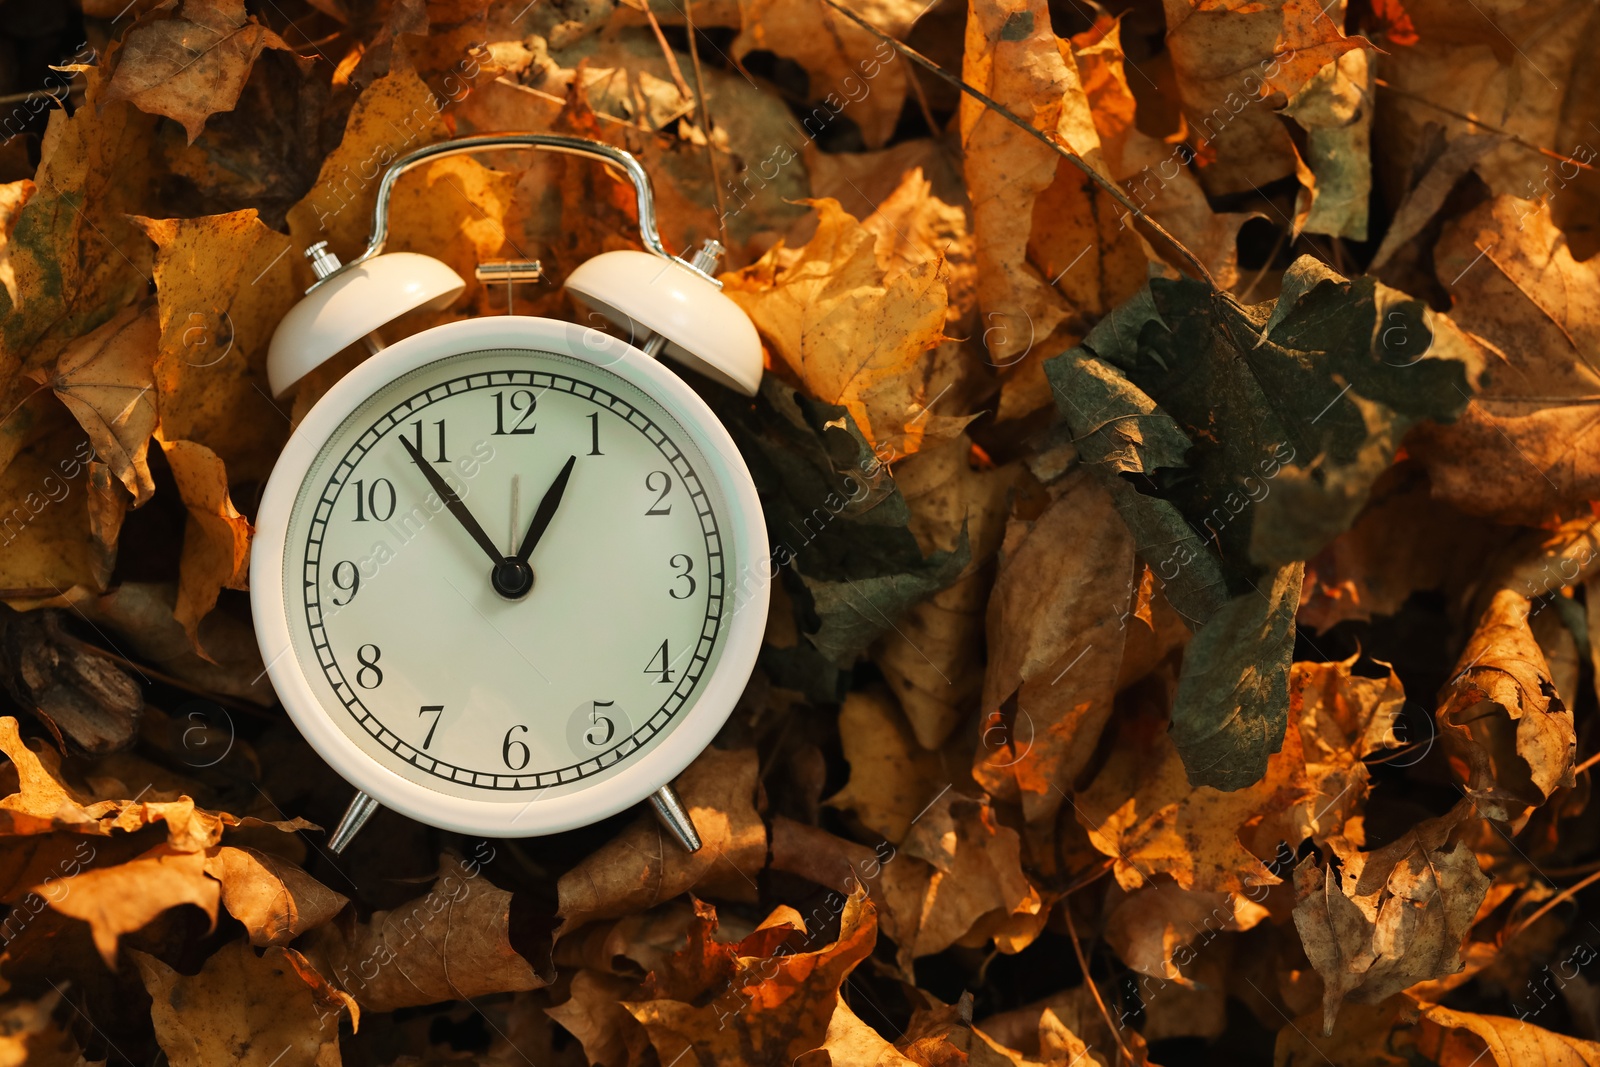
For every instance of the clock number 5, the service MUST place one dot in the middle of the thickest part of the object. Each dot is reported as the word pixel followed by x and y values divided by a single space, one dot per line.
pixel 438 713
pixel 508 744
pixel 600 721
pixel 687 563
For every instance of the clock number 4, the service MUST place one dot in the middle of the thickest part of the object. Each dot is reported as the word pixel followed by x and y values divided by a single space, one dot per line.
pixel 376 501
pixel 438 713
pixel 523 403
pixel 664 672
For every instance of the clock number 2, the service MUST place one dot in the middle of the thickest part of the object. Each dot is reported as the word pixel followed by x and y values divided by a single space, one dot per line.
pixel 665 481
pixel 438 713
pixel 600 721
pixel 523 403
pixel 665 670
pixel 507 745
pixel 369 666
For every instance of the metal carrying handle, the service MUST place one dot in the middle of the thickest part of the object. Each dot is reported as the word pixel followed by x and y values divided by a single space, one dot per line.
pixel 572 146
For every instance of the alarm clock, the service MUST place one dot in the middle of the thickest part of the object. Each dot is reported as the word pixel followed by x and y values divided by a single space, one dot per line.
pixel 509 573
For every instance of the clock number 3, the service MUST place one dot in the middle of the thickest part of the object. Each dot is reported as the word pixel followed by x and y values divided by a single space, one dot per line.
pixel 687 564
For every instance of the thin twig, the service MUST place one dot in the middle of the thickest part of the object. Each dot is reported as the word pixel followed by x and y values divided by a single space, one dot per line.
pixel 1464 117
pixel 1559 898
pixel 1111 187
pixel 705 124
pixel 1083 964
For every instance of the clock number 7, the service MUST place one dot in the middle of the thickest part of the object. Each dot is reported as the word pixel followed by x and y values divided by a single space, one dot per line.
pixel 665 670
pixel 438 713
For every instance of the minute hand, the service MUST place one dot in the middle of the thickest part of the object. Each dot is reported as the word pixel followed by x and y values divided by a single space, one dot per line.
pixel 453 502
pixel 545 512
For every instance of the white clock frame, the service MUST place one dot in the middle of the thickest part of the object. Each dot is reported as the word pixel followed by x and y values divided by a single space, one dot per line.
pixel 747 584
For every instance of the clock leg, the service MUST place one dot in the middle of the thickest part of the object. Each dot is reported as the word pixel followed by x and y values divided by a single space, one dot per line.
pixel 675 817
pixel 356 815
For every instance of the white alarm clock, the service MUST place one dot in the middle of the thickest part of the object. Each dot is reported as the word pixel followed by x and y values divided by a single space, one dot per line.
pixel 509 574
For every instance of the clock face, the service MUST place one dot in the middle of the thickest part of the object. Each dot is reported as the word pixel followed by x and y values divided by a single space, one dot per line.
pixel 509 691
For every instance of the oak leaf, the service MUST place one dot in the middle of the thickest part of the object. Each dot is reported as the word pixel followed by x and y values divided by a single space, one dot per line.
pixel 254 1011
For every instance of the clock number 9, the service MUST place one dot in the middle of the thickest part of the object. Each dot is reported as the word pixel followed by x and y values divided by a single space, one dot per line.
pixel 509 744
pixel 374 502
pixel 600 720
pixel 650 481
pixel 369 667
pixel 687 563
pixel 349 585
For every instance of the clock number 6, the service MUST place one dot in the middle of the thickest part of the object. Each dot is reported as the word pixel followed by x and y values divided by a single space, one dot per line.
pixel 369 665
pixel 687 563
pixel 507 745
pixel 600 720
pixel 666 487
pixel 438 713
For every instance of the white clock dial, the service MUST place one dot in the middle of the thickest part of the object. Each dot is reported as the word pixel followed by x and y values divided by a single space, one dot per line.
pixel 476 690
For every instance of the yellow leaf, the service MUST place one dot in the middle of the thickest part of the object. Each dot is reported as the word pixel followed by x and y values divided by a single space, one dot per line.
pixel 216 539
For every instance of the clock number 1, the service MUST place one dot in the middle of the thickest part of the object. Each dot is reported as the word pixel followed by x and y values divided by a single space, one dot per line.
pixel 594 434
pixel 438 713
pixel 665 670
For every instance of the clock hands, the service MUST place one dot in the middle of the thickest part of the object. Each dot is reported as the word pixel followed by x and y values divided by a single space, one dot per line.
pixel 454 503
pixel 546 511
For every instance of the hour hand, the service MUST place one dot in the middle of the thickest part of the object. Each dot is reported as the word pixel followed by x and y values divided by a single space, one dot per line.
pixel 546 511
pixel 454 503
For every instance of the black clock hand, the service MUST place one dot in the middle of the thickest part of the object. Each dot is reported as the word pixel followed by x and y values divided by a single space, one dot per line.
pixel 546 511
pixel 453 502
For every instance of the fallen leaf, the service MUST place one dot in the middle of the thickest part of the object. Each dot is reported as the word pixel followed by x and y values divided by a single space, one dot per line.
pixel 13 198
pixel 121 899
pixel 1501 718
pixel 1057 624
pixel 1522 452
pixel 222 283
pixel 1380 921
pixel 216 540
pixel 644 866
pixel 851 333
pixel 1235 65
pixel 1154 927
pixel 276 901
pixel 1456 1038
pixel 892 778
pixel 1343 719
pixel 254 1011
pixel 192 65
pixel 449 944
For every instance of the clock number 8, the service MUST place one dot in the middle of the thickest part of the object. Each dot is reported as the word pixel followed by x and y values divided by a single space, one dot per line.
pixel 369 664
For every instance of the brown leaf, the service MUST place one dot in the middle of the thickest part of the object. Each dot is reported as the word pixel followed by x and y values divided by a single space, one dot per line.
pixel 13 197
pixel 849 1041
pixel 192 65
pixel 1057 623
pixel 222 283
pixel 1381 921
pixel 276 901
pixel 1235 63
pixel 776 1008
pixel 121 899
pixel 1525 450
pixel 244 1009
pixel 1501 719
pixel 852 333
pixel 1141 811
pixel 105 380
pixel 1153 928
pixel 595 1015
pixel 49 551
pixel 449 944
pixel 1458 1038
pixel 643 866
pixel 216 539
pixel 892 778
pixel 43 801
pixel 1343 719
pixel 79 693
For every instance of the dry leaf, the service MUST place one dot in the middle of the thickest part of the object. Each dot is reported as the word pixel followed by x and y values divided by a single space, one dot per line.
pixel 1381 921
pixel 192 65
pixel 276 901
pixel 216 540
pixel 1344 718
pixel 244 1009
pixel 1457 1038
pixel 1154 927
pixel 892 778
pixel 1501 719
pixel 121 899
